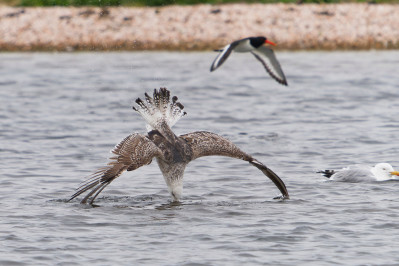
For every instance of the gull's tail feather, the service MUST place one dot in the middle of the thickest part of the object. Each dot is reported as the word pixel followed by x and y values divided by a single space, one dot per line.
pixel 158 109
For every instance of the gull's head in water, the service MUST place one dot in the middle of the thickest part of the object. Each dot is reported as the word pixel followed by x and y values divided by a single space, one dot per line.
pixel 384 171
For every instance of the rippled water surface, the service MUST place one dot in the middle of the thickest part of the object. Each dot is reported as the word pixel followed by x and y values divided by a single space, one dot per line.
pixel 61 114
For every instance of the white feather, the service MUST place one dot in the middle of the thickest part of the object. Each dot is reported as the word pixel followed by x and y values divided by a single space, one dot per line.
pixel 159 110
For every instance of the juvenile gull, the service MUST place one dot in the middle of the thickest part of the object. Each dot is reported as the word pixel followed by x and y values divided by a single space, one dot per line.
pixel 171 152
pixel 255 46
pixel 362 173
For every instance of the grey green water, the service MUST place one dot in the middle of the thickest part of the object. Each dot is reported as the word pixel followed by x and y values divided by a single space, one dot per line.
pixel 61 114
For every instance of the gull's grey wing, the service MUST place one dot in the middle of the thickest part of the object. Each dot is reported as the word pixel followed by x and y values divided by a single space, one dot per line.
pixel 131 153
pixel 268 59
pixel 355 174
pixel 205 143
pixel 223 55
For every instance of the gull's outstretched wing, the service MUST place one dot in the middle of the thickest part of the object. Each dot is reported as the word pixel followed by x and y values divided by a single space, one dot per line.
pixel 207 144
pixel 223 55
pixel 268 59
pixel 131 153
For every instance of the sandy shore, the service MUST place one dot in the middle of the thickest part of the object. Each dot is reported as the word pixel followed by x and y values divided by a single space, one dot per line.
pixel 335 26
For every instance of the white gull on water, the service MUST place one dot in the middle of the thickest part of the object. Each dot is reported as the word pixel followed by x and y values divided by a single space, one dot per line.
pixel 172 152
pixel 362 173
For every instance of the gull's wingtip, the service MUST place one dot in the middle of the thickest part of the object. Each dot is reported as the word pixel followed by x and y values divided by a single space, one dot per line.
pixel 326 173
pixel 282 197
pixel 273 177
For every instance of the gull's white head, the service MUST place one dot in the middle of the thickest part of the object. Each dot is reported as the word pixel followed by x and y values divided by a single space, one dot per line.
pixel 384 171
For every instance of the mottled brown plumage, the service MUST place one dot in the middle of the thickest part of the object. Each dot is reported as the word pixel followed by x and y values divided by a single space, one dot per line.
pixel 172 152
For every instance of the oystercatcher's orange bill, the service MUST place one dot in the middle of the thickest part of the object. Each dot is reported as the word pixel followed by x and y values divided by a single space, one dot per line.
pixel 269 42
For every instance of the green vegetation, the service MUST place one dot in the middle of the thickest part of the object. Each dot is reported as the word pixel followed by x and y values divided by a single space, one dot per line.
pixel 167 2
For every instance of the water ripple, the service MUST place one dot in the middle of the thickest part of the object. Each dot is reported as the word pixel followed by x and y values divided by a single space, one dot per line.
pixel 62 113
